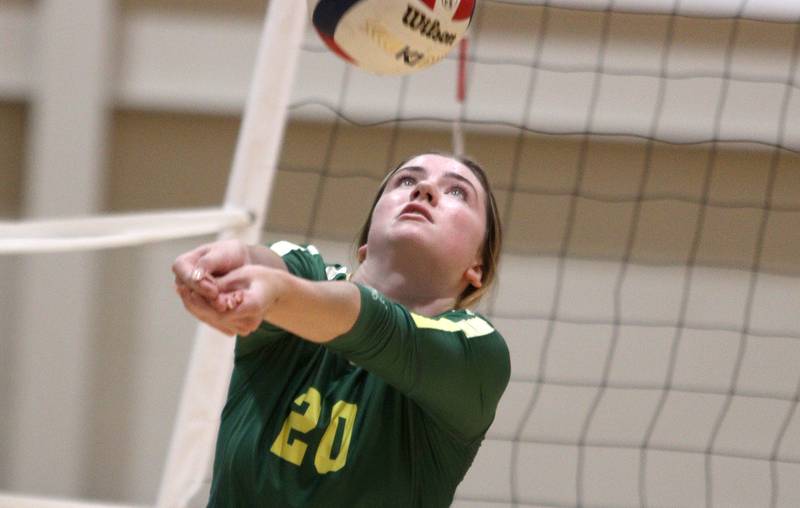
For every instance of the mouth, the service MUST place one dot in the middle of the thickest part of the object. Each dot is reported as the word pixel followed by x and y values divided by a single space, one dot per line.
pixel 414 210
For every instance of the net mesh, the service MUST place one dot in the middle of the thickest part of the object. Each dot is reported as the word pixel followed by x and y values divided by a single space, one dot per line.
pixel 647 170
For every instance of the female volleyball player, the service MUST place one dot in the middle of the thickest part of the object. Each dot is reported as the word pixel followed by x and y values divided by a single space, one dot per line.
pixel 363 391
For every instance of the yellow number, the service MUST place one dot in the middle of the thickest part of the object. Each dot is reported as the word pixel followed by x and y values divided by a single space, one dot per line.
pixel 322 460
pixel 293 449
pixel 290 449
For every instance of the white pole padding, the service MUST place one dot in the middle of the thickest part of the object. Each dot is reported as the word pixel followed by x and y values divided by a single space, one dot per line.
pixel 109 231
pixel 14 501
pixel 188 468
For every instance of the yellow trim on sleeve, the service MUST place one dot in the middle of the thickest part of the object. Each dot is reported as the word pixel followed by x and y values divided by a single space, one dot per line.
pixel 472 327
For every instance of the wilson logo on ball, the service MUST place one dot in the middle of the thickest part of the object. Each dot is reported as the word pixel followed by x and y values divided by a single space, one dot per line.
pixel 430 28
pixel 392 36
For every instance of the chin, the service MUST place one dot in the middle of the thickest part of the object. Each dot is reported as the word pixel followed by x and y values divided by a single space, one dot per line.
pixel 410 232
pixel 411 242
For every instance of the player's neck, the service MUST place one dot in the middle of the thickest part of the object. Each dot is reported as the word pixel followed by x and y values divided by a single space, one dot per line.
pixel 423 291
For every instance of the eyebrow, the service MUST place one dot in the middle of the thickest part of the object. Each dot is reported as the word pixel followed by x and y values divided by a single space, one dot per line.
pixel 451 174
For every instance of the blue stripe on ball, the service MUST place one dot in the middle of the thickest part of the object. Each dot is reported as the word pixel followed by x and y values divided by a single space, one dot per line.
pixel 327 14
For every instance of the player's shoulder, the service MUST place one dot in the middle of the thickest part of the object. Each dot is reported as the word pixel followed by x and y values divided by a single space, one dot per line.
pixel 491 346
pixel 284 247
pixel 306 261
pixel 485 341
pixel 466 321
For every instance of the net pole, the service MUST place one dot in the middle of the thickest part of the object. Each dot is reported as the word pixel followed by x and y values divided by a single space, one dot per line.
pixel 190 456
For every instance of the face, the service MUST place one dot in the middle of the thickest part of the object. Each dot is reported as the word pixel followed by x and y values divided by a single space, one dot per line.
pixel 436 206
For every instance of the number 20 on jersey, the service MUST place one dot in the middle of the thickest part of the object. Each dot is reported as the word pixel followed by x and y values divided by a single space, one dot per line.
pixel 293 449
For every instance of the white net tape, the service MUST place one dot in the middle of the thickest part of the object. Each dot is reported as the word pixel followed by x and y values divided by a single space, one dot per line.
pixel 111 231
pixel 7 501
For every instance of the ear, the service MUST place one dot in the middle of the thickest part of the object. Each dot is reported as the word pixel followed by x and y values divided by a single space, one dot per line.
pixel 474 275
pixel 362 253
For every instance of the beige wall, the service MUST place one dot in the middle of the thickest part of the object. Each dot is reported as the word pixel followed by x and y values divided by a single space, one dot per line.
pixel 12 153
pixel 161 160
pixel 254 8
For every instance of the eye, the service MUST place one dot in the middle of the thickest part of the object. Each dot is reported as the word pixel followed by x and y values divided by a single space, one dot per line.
pixel 458 192
pixel 406 181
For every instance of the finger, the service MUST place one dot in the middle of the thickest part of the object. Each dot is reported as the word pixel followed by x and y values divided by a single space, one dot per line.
pixel 181 290
pixel 225 302
pixel 199 308
pixel 236 298
pixel 251 305
pixel 217 261
pixel 220 303
pixel 205 284
pixel 185 292
pixel 194 310
pixel 201 303
pixel 197 280
pixel 221 258
pixel 191 303
pixel 236 279
pixel 244 321
pixel 185 264
pixel 226 323
pixel 202 281
pixel 189 270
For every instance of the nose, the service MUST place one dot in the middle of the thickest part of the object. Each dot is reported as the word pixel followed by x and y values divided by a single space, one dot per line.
pixel 425 190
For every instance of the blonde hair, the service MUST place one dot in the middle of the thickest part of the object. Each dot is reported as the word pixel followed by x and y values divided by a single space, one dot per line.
pixel 493 239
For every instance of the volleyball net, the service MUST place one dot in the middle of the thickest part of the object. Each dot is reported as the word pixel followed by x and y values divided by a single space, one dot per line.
pixel 645 159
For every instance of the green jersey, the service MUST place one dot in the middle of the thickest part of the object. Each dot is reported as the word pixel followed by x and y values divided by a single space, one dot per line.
pixel 389 414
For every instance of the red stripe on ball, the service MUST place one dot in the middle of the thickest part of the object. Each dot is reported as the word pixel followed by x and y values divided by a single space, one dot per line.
pixel 430 3
pixel 335 47
pixel 464 10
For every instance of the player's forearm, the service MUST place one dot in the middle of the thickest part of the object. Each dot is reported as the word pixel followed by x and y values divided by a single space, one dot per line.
pixel 315 311
pixel 264 256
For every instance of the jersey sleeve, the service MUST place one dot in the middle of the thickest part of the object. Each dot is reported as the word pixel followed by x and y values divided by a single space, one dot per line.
pixel 306 262
pixel 302 261
pixel 455 366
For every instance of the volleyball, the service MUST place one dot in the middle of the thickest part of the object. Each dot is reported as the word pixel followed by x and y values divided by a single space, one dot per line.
pixel 392 37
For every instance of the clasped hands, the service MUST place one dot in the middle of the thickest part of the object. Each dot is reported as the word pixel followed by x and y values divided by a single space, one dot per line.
pixel 219 285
